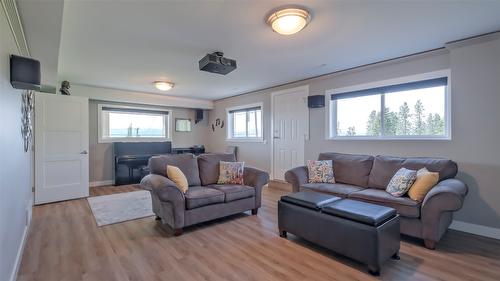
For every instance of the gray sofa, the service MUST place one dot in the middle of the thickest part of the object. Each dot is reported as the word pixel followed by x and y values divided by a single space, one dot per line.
pixel 205 200
pixel 364 178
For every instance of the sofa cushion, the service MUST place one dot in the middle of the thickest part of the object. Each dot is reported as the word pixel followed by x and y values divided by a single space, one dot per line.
pixel 185 162
pixel 350 168
pixel 199 196
pixel 234 192
pixel 209 166
pixel 384 167
pixel 363 212
pixel 308 199
pixel 403 205
pixel 337 189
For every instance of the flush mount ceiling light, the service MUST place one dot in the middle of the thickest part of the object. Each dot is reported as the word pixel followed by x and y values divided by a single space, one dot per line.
pixel 289 21
pixel 163 86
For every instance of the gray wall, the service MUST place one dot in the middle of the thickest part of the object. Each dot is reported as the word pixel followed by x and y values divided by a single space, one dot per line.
pixel 475 90
pixel 15 166
pixel 101 154
pixel 256 154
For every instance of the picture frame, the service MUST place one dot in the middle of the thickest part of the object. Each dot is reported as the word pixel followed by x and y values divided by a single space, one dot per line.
pixel 182 124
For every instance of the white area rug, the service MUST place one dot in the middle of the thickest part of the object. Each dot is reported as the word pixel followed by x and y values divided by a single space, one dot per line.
pixel 115 208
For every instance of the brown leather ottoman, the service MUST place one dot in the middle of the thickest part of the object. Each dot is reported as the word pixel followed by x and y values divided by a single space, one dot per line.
pixel 365 232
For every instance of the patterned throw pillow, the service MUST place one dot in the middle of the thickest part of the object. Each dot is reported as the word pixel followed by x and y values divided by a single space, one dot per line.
pixel 320 171
pixel 401 182
pixel 231 172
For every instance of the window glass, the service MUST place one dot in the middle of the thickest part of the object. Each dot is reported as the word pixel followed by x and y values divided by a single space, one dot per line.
pixel 245 123
pixel 359 116
pixel 131 124
pixel 239 124
pixel 417 112
pixel 416 109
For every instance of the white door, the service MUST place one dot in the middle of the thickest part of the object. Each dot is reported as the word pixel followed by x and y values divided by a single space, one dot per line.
pixel 61 148
pixel 290 129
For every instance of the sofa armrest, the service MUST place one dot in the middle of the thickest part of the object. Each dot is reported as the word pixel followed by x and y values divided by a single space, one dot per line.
pixel 257 179
pixel 171 203
pixel 296 177
pixel 447 196
pixel 166 189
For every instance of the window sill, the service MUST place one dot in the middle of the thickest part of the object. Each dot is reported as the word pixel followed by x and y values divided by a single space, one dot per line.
pixel 389 139
pixel 112 140
pixel 246 140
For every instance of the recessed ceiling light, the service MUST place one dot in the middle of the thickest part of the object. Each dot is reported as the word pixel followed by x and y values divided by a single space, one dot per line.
pixel 289 21
pixel 163 86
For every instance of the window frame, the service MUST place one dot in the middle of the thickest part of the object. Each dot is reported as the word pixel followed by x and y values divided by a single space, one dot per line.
pixel 331 107
pixel 101 126
pixel 229 125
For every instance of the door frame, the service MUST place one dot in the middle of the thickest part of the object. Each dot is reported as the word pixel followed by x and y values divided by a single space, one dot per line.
pixel 304 88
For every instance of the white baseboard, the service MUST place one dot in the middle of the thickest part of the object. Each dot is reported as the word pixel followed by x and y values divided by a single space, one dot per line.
pixel 476 229
pixel 101 183
pixel 20 250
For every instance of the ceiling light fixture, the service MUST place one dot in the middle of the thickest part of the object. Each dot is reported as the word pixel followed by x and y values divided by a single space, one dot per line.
pixel 163 86
pixel 289 21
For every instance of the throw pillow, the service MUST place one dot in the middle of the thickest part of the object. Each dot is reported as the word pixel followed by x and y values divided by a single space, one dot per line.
pixel 231 172
pixel 423 184
pixel 320 171
pixel 401 182
pixel 177 176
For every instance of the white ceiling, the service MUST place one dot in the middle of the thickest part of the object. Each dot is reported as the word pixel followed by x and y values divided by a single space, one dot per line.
pixel 129 44
pixel 42 21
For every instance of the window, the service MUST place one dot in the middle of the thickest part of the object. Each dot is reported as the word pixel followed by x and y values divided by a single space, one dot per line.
pixel 245 123
pixel 415 109
pixel 131 124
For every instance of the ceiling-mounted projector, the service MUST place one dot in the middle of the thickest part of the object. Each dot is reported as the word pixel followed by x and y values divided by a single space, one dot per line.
pixel 217 63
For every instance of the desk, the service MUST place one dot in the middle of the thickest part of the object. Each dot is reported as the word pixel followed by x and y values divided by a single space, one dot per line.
pixel 196 150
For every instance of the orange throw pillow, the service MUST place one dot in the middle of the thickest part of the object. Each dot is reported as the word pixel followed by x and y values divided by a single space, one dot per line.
pixel 177 176
pixel 423 184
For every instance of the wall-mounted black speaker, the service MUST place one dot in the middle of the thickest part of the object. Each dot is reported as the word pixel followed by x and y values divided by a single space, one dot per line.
pixel 24 73
pixel 316 101
pixel 199 116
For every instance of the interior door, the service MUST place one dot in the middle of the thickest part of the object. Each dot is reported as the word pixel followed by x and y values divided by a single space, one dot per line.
pixel 61 148
pixel 290 129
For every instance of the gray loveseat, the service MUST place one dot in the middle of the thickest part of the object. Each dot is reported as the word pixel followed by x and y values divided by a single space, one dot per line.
pixel 205 200
pixel 364 178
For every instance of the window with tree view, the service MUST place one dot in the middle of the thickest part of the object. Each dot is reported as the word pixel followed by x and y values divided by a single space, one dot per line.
pixel 411 110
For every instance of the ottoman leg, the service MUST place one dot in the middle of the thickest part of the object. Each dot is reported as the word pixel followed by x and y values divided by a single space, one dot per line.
pixel 396 256
pixel 157 218
pixel 374 270
pixel 282 233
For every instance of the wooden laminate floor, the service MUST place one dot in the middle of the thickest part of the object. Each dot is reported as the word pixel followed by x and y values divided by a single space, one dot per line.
pixel 65 243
